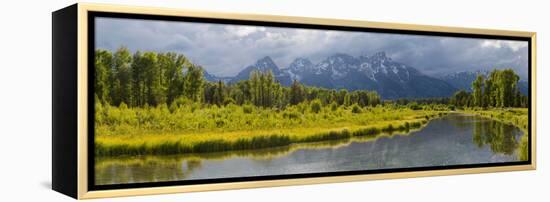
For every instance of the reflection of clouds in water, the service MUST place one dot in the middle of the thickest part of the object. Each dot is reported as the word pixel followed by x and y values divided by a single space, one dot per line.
pixel 450 140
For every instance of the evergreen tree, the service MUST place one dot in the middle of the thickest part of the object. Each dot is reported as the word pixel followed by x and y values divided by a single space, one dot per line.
pixel 296 93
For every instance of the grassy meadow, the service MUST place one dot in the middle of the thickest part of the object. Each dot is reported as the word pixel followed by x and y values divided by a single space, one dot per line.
pixel 199 128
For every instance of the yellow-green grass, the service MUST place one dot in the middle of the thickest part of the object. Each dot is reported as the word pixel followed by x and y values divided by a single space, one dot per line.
pixel 312 127
pixel 518 117
pixel 257 154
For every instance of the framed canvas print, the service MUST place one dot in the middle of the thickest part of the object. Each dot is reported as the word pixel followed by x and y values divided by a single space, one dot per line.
pixel 153 100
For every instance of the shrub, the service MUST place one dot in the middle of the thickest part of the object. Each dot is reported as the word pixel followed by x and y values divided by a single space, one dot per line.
pixel 291 115
pixel 228 101
pixel 220 123
pixel 316 106
pixel 414 106
pixel 356 109
pixel 173 107
pixel 123 106
pixel 180 101
pixel 247 109
pixel 334 106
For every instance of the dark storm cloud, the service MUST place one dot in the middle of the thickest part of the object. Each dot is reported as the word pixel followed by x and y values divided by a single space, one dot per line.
pixel 226 49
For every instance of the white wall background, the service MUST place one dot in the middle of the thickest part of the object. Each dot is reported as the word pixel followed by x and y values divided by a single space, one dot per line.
pixel 25 100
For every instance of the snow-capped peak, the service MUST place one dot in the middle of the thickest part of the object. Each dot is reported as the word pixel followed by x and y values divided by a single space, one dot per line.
pixel 300 65
pixel 462 74
pixel 380 56
pixel 266 63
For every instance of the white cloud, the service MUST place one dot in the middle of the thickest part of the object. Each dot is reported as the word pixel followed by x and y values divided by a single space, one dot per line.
pixel 224 50
pixel 243 31
pixel 514 45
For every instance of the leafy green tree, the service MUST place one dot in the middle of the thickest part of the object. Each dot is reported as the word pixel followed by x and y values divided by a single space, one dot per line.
pixel 193 83
pixel 103 71
pixel 508 86
pixel 121 87
pixel 219 94
pixel 501 88
pixel 477 88
pixel 488 97
pixel 139 69
pixel 461 98
pixel 172 64
pixel 150 79
pixel 154 92
pixel 242 93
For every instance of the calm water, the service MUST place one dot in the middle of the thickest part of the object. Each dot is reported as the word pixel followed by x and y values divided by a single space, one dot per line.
pixel 452 140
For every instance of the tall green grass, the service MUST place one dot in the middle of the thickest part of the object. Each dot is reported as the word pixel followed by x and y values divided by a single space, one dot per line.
pixel 179 147
pixel 166 144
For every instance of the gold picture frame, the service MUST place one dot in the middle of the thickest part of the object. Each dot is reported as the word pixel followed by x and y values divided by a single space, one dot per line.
pixel 66 163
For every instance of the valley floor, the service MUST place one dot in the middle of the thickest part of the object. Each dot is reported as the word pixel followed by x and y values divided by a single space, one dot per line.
pixel 160 131
pixel 197 129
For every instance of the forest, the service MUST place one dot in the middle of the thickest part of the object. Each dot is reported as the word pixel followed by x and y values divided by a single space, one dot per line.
pixel 498 90
pixel 151 79
pixel 160 103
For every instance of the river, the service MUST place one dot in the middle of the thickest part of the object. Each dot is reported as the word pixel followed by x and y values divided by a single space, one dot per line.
pixel 455 139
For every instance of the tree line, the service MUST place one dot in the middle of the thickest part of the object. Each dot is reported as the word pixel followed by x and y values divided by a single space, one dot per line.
pixel 145 77
pixel 498 89
pixel 150 79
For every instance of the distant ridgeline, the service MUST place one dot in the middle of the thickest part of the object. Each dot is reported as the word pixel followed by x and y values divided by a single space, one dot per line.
pixel 149 78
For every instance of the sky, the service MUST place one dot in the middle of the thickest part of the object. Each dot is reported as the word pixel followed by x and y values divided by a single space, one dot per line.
pixel 224 50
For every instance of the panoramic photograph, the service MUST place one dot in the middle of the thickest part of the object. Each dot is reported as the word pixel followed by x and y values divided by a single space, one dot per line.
pixel 183 101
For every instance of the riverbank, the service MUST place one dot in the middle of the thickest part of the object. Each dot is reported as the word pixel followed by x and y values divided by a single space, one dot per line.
pixel 518 117
pixel 279 129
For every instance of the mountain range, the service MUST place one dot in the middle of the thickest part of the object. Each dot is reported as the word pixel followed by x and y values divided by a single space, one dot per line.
pixel 378 72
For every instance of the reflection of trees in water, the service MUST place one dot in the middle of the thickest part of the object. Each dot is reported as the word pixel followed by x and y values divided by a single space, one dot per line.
pixel 499 136
pixel 119 170
pixel 136 169
pixel 144 169
pixel 463 121
pixel 179 167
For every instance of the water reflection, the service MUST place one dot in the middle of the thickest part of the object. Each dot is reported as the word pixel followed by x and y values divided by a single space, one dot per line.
pixel 452 140
pixel 499 136
pixel 143 169
pixel 117 170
